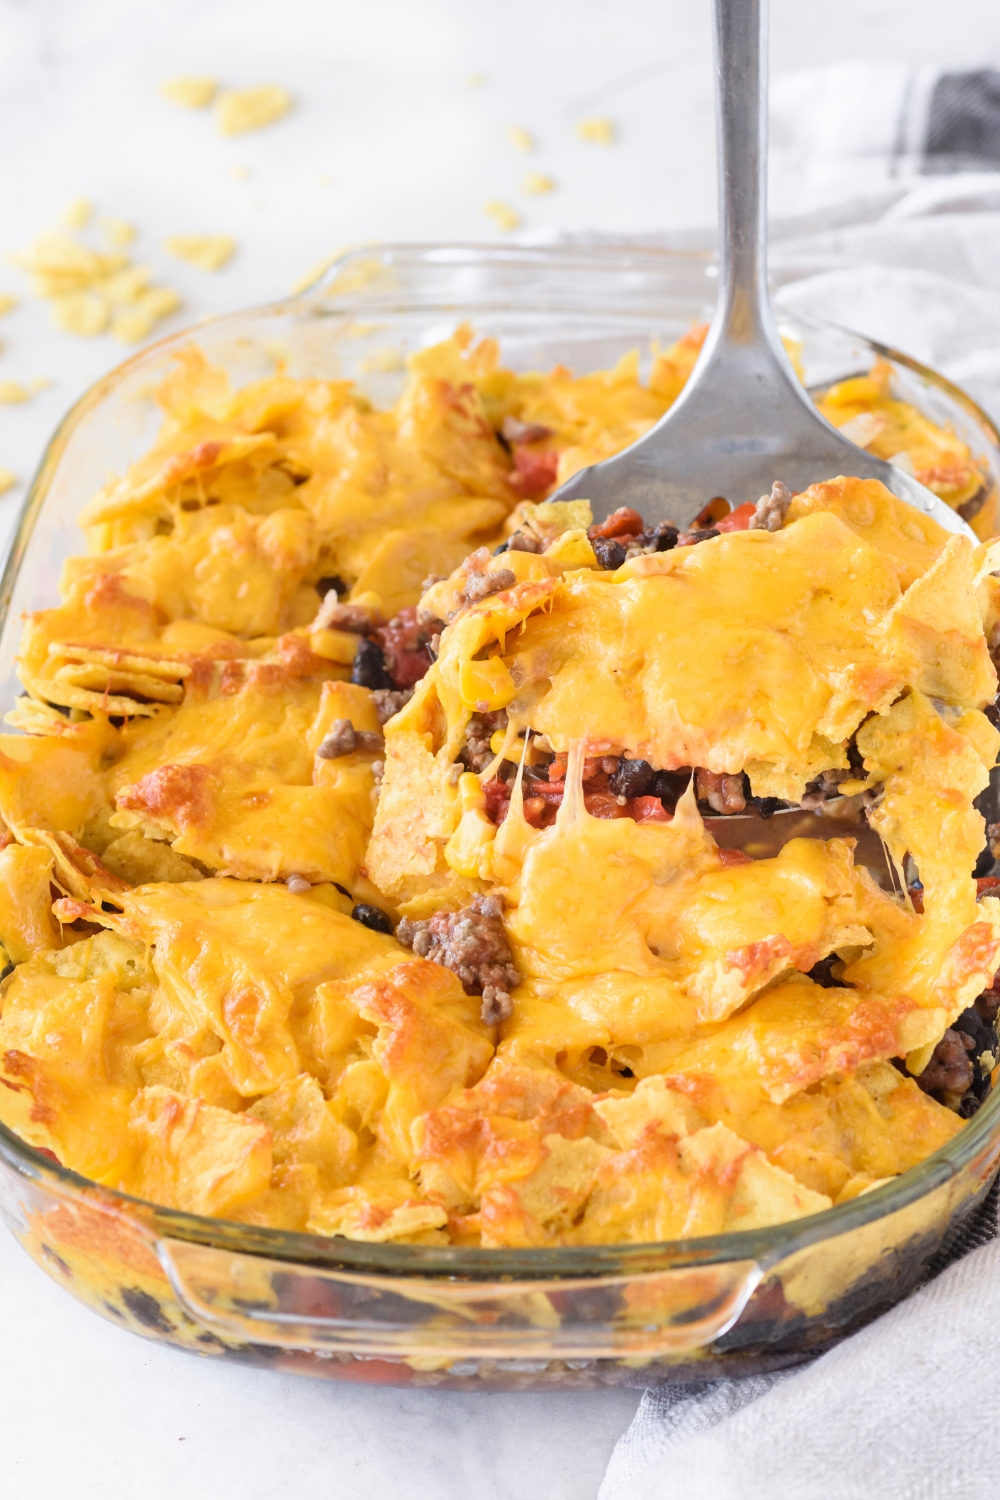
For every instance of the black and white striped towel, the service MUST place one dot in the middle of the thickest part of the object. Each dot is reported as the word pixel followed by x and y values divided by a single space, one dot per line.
pixel 885 180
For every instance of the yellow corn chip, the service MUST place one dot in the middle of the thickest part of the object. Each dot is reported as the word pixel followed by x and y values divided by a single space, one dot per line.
pixel 520 139
pixel 118 231
pixel 240 110
pixel 209 252
pixel 189 93
pixel 77 214
pixel 503 216
pixel 597 130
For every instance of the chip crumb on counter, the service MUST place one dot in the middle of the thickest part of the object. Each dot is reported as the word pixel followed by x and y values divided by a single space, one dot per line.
pixel 12 393
pixel 240 172
pixel 504 217
pixel 77 213
pixel 596 130
pixel 91 292
pixel 118 231
pixel 7 302
pixel 520 139
pixel 209 252
pixel 536 183
pixel 189 93
pixel 238 111
pixel 7 481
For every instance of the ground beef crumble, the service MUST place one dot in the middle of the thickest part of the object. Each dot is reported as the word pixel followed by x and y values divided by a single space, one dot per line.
pixel 959 1074
pixel 389 701
pixel 481 728
pixel 771 510
pixel 473 944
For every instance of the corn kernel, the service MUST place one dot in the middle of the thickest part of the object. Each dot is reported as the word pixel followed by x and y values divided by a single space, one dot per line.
pixel 485 685
pixel 472 795
pixel 334 645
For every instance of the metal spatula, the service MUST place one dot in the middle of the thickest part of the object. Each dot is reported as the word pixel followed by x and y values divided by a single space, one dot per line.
pixel 744 419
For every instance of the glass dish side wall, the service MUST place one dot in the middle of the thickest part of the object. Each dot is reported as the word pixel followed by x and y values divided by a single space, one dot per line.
pixel 359 1312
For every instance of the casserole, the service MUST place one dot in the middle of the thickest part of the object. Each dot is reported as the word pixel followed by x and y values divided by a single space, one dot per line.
pixel 439 1313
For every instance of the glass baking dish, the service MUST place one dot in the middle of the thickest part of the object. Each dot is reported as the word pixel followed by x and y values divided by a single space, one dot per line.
pixel 466 1318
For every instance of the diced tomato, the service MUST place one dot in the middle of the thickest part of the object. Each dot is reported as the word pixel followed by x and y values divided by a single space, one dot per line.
pixel 986 884
pixel 738 519
pixel 647 810
pixel 497 795
pixel 916 895
pixel 50 1155
pixel 402 641
pixel 734 857
pixel 550 791
pixel 408 667
pixel 534 472
pixel 621 521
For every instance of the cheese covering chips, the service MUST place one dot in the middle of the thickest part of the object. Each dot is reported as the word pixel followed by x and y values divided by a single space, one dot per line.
pixel 356 880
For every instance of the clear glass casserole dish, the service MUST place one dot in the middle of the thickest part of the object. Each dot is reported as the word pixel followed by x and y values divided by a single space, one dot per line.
pixel 458 1317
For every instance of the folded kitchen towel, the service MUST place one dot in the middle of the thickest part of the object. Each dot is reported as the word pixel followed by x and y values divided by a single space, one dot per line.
pixel 900 1411
pixel 885 195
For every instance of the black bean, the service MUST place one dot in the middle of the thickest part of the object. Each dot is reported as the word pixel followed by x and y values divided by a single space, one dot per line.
pixel 502 548
pixel 632 778
pixel 992 712
pixel 765 807
pixel 820 974
pixel 670 786
pixel 699 534
pixel 369 666
pixel 373 917
pixel 324 585
pixel 661 538
pixel 984 864
pixel 609 553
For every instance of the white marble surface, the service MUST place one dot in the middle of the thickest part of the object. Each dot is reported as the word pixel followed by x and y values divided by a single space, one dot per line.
pixel 386 111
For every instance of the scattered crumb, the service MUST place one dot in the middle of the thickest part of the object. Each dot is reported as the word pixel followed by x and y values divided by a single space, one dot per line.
pixel 136 322
pixel 118 231
pixel 503 216
pixel 382 362
pixel 537 182
pixel 323 179
pixel 315 272
pixel 241 174
pixel 475 80
pixel 84 287
pixel 520 139
pixel 7 302
pixel 84 313
pixel 597 130
pixel 240 110
pixel 7 481
pixel 40 383
pixel 189 93
pixel 209 252
pixel 255 203
pixel 77 214
pixel 12 393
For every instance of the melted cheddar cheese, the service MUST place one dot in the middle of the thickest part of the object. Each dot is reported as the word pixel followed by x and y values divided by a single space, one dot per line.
pixel 197 800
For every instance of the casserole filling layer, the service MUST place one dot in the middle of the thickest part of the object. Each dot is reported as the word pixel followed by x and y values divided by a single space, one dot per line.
pixel 363 863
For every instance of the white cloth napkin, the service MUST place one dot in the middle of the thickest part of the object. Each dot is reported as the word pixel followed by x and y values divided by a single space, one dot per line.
pixel 901 1411
pixel 887 183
